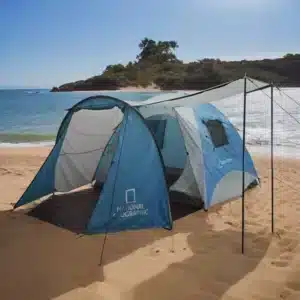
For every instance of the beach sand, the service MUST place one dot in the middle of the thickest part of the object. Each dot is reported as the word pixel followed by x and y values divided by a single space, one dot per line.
pixel 149 88
pixel 200 259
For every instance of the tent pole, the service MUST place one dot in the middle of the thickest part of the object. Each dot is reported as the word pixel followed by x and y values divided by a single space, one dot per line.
pixel 243 176
pixel 272 157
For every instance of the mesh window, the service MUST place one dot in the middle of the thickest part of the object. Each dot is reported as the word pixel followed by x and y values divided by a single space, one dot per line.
pixel 158 128
pixel 217 133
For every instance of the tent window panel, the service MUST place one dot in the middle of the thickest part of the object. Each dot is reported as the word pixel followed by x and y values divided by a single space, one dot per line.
pixel 158 128
pixel 217 133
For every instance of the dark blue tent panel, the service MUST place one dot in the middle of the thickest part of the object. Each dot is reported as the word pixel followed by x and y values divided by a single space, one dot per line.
pixel 134 195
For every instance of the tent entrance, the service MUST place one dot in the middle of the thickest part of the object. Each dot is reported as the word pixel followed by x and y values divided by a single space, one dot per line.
pixel 70 211
pixel 168 136
pixel 85 139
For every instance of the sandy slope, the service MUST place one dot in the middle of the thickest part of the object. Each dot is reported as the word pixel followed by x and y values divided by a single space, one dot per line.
pixel 200 259
pixel 149 88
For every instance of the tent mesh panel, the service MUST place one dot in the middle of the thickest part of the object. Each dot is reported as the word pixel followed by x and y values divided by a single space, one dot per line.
pixel 217 133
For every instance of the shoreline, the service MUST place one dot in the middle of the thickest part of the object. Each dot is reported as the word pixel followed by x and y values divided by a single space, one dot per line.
pixel 147 89
pixel 255 150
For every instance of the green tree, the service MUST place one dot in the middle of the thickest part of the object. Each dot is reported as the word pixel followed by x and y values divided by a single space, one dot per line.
pixel 157 52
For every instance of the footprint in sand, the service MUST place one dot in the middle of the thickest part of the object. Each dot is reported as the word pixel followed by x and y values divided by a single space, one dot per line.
pixel 255 215
pixel 286 256
pixel 285 294
pixel 154 251
pixel 287 244
pixel 293 281
pixel 288 228
pixel 280 263
pixel 4 171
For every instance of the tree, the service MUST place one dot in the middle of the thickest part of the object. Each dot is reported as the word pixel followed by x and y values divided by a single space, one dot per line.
pixel 148 48
pixel 157 52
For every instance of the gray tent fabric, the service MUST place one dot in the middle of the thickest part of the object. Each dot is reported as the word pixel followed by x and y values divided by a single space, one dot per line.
pixel 163 104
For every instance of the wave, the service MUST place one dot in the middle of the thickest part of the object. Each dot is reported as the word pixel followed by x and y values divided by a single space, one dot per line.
pixel 16 138
pixel 26 145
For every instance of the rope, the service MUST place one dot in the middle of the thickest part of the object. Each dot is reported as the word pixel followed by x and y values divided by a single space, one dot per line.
pixel 83 152
pixel 288 96
pixel 278 104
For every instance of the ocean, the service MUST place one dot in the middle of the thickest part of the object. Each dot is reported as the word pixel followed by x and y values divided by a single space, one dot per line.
pixel 32 117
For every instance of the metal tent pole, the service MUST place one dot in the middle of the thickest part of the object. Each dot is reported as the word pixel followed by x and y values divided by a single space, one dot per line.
pixel 243 176
pixel 272 158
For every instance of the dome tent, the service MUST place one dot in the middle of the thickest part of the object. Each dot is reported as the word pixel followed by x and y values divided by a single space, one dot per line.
pixel 132 167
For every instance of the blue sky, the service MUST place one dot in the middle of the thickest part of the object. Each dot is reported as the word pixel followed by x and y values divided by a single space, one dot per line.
pixel 50 42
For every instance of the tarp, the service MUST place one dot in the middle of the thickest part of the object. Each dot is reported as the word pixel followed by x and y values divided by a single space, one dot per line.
pixel 164 104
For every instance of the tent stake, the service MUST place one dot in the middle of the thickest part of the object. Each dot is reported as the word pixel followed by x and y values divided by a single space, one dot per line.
pixel 102 249
pixel 272 159
pixel 173 244
pixel 243 176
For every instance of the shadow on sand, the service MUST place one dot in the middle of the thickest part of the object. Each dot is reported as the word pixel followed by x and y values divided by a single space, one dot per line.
pixel 40 261
pixel 73 210
pixel 215 266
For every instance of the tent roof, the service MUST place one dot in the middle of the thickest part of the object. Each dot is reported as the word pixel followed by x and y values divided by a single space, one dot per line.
pixel 165 103
pixel 212 94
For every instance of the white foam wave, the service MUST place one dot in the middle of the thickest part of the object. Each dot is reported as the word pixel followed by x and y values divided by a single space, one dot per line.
pixel 27 145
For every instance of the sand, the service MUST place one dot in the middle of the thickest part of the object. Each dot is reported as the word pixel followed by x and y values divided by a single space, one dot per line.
pixel 200 259
pixel 149 88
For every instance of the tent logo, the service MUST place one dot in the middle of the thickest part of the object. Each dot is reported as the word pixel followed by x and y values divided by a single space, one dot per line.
pixel 131 208
pixel 224 162
pixel 130 196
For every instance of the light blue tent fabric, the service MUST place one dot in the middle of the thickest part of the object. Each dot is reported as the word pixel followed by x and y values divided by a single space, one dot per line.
pixel 220 161
pixel 216 158
pixel 135 194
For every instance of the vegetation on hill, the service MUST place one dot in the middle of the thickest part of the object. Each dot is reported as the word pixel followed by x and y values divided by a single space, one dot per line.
pixel 157 64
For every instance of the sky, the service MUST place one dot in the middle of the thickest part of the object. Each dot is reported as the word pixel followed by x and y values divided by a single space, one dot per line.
pixel 50 42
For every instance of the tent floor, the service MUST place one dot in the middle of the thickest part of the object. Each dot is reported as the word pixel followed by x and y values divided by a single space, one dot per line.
pixel 72 211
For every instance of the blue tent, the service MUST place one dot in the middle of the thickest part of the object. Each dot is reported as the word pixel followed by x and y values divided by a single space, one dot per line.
pixel 127 152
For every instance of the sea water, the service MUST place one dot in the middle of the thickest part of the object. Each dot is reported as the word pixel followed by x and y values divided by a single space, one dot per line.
pixel 32 117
